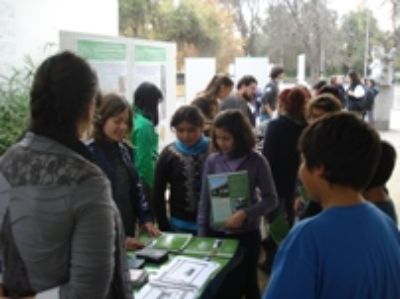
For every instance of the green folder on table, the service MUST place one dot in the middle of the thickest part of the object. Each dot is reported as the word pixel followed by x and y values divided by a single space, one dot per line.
pixel 211 247
pixel 173 242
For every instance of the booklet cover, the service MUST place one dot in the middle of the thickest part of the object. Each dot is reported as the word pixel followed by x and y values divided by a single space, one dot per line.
pixel 229 192
pixel 211 247
pixel 279 228
pixel 173 242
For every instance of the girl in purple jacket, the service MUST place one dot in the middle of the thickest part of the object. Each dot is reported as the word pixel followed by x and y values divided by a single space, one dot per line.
pixel 234 141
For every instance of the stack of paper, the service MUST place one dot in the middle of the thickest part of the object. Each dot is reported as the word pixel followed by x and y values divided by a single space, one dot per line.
pixel 138 277
pixel 183 278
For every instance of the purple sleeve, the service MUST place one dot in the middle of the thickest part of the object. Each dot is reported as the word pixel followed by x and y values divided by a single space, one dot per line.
pixel 265 183
pixel 203 211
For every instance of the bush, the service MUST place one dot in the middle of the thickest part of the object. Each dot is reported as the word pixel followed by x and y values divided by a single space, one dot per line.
pixel 14 104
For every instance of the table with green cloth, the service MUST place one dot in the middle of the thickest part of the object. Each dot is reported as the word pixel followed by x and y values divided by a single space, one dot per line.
pixel 223 252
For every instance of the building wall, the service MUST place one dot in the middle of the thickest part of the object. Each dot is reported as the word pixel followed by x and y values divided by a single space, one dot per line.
pixel 31 27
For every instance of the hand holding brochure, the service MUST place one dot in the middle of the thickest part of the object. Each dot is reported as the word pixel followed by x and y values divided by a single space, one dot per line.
pixel 229 192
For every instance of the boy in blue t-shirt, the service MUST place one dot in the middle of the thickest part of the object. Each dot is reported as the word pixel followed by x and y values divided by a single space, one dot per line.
pixel 351 249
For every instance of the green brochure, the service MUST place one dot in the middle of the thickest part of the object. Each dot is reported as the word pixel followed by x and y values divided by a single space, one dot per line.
pixel 229 192
pixel 173 242
pixel 279 228
pixel 211 247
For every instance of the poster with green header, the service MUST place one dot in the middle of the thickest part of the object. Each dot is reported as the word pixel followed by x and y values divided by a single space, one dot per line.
pixel 102 50
pixel 146 54
pixel 149 65
pixel 109 60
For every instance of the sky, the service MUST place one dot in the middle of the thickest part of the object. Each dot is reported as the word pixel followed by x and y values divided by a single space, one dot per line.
pixel 380 9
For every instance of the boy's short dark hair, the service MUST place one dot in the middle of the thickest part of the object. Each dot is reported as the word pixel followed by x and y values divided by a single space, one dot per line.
pixel 276 71
pixel 246 81
pixel 188 113
pixel 234 122
pixel 330 89
pixel 325 102
pixel 345 146
pixel 385 167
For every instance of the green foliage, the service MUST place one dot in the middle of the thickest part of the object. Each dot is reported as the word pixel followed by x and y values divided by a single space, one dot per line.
pixel 14 104
pixel 199 27
pixel 354 28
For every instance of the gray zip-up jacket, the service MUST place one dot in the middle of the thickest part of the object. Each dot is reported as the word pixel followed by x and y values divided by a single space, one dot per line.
pixel 60 229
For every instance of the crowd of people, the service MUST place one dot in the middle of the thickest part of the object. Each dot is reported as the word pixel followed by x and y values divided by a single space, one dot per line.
pixel 70 208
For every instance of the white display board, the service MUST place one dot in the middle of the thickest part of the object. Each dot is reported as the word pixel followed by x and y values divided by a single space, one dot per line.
pixel 123 63
pixel 301 69
pixel 198 73
pixel 258 67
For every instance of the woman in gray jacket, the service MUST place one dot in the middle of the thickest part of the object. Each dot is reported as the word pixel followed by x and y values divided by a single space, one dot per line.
pixel 60 230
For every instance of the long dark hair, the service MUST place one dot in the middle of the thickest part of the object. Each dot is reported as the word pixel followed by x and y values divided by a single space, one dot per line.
pixel 214 86
pixel 108 106
pixel 63 87
pixel 354 79
pixel 235 123
pixel 147 97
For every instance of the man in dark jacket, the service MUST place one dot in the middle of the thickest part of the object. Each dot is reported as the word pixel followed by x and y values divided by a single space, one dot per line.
pixel 270 94
pixel 246 91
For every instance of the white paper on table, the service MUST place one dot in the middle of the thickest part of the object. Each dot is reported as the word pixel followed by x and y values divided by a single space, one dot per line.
pixel 181 278
pixel 187 271
pixel 164 292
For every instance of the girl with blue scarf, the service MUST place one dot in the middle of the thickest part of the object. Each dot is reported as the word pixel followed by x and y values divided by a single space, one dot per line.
pixel 180 168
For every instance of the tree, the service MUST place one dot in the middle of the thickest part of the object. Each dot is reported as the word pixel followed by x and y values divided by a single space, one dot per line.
pixel 354 26
pixel 14 103
pixel 248 22
pixel 292 27
pixel 135 17
pixel 200 28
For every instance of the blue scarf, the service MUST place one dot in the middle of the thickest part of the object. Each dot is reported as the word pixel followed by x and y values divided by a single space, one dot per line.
pixel 200 147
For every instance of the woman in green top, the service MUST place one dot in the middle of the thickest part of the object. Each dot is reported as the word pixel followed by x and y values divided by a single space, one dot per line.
pixel 144 136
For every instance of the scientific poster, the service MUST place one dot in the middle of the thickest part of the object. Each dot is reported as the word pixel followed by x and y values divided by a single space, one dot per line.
pixel 149 65
pixel 109 60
